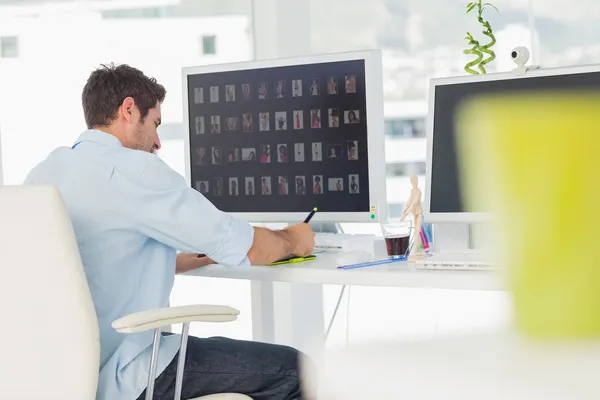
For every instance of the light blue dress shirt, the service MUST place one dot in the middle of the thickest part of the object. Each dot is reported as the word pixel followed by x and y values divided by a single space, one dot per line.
pixel 130 212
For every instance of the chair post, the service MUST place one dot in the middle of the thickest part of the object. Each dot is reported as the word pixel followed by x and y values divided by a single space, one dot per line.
pixel 181 362
pixel 153 365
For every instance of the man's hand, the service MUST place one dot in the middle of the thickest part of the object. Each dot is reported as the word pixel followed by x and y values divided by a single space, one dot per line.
pixel 189 261
pixel 269 246
pixel 302 239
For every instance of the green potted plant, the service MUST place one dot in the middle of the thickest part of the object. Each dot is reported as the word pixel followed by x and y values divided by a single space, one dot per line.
pixel 483 54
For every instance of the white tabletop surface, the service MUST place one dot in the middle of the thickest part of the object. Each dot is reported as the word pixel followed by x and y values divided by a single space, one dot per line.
pixel 324 270
pixel 501 366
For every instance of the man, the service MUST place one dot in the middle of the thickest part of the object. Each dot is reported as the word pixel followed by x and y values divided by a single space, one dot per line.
pixel 130 213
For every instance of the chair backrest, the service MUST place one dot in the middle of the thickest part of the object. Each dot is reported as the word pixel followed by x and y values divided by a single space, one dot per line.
pixel 49 338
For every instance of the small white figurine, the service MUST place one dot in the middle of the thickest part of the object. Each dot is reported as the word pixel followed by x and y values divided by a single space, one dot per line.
pixel 413 205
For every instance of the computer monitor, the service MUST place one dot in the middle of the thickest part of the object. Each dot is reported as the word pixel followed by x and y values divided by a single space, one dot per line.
pixel 270 140
pixel 443 197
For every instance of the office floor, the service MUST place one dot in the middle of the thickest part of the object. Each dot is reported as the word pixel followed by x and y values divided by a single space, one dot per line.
pixel 375 313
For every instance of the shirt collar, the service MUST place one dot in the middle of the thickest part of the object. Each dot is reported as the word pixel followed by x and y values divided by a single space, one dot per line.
pixel 96 136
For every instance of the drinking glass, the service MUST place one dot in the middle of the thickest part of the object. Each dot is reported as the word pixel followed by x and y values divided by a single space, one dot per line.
pixel 397 238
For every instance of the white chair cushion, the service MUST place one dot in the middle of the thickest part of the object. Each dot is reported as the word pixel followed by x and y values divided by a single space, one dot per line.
pixel 49 337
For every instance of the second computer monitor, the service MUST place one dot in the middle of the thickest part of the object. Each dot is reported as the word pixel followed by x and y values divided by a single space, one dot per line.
pixel 270 140
pixel 443 193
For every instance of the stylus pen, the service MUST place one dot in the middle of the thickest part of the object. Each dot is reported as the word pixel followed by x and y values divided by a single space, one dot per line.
pixel 373 263
pixel 307 220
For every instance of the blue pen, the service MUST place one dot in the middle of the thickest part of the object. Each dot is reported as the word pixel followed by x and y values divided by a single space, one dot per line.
pixel 373 263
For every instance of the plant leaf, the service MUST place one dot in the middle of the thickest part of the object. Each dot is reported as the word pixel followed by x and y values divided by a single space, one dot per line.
pixel 471 7
pixel 491 5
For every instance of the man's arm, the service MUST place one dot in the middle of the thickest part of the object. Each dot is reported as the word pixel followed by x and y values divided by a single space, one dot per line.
pixel 268 246
pixel 189 261
pixel 168 211
pixel 174 214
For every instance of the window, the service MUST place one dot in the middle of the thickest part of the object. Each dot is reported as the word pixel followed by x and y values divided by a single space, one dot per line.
pixel 405 169
pixel 405 128
pixel 209 45
pixel 9 47
pixel 566 35
pixel 396 210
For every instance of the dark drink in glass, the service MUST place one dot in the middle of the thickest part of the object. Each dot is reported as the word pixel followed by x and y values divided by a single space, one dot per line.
pixel 397 245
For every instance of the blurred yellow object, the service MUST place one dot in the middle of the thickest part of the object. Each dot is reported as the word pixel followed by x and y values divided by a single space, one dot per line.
pixel 534 160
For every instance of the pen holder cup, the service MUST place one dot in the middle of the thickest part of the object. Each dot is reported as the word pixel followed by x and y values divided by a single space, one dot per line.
pixel 397 237
pixel 532 160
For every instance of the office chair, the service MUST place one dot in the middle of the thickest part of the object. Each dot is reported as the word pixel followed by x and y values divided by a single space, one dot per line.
pixel 49 337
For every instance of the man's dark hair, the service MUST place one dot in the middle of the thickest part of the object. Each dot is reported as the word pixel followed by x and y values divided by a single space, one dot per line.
pixel 109 85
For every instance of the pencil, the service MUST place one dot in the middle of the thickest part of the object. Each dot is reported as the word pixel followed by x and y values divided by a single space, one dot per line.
pixel 307 220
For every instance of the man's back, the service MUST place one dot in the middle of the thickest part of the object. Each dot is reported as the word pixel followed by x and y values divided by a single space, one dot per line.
pixel 127 271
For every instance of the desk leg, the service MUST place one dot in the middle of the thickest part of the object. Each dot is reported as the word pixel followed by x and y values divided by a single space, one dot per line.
pixel 263 323
pixel 289 314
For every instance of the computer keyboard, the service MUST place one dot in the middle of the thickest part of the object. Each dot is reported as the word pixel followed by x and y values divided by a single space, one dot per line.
pixel 458 261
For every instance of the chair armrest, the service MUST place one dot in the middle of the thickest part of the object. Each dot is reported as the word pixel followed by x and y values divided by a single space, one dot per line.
pixel 152 319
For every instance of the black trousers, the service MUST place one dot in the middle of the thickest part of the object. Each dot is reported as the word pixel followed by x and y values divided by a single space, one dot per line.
pixel 220 365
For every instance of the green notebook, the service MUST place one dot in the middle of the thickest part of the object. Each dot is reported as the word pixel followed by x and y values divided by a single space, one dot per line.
pixel 293 260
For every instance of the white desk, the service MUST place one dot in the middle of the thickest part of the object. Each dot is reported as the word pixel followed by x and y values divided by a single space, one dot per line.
pixel 498 366
pixel 323 271
pixel 287 300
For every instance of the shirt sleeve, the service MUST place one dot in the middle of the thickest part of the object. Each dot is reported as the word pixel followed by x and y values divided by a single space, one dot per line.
pixel 169 211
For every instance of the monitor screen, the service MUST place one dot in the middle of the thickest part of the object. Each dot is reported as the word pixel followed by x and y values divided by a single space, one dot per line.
pixel 445 202
pixel 281 139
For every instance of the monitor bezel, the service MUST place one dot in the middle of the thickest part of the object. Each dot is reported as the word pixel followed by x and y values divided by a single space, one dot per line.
pixel 475 217
pixel 375 127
